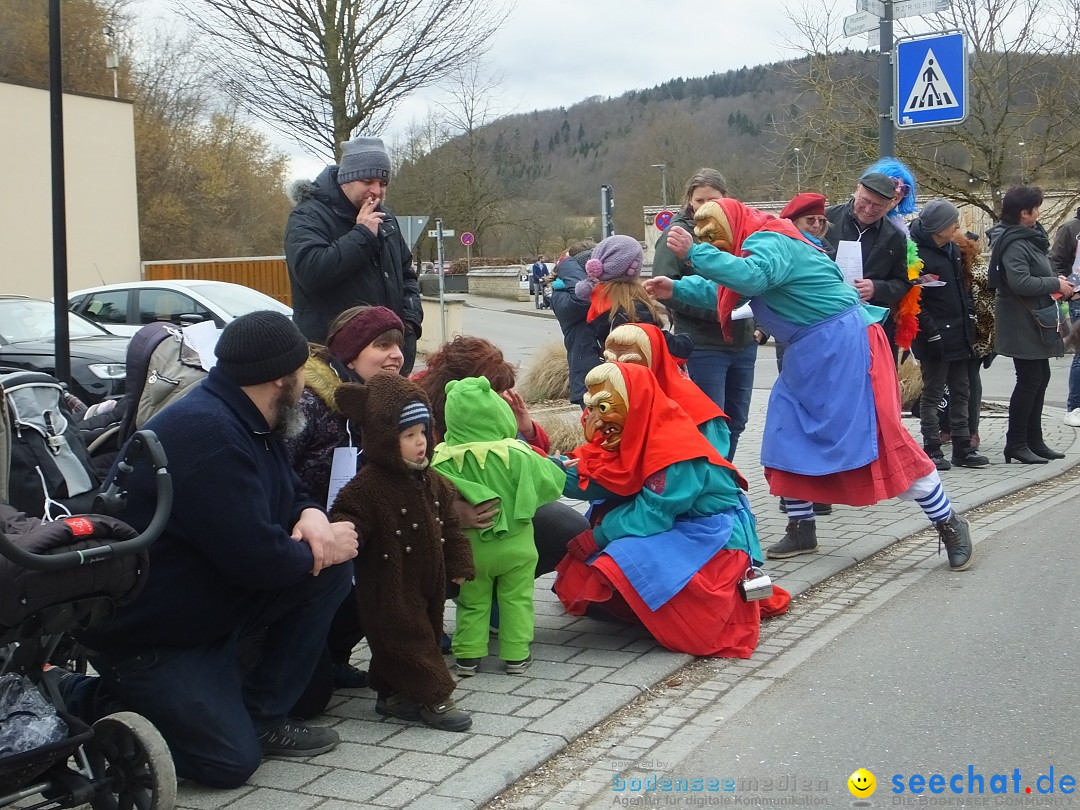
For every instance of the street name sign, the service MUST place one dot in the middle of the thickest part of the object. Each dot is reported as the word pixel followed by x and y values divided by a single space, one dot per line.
pixel 904 8
pixel 860 23
pixel 916 8
pixel 931 80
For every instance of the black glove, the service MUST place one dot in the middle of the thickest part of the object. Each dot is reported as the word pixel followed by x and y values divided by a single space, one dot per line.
pixel 932 349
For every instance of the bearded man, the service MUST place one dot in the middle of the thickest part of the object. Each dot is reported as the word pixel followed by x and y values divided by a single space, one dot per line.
pixel 245 554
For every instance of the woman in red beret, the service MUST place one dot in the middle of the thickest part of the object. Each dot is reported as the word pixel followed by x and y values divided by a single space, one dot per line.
pixel 807 212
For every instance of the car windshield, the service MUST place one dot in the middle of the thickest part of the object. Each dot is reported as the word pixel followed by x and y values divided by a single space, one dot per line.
pixel 25 319
pixel 237 300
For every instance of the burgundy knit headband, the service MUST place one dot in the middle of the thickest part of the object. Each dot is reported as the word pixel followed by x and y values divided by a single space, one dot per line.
pixel 358 333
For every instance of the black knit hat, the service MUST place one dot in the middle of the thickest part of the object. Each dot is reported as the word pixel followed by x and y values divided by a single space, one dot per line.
pixel 260 347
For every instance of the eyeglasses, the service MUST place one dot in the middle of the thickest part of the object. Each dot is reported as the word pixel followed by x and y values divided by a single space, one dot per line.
pixel 815 220
pixel 871 202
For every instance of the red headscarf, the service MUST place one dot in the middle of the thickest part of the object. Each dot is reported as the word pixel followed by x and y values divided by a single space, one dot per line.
pixel 743 221
pixel 657 433
pixel 692 399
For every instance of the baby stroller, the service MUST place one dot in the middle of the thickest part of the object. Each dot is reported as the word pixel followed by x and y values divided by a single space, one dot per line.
pixel 57 578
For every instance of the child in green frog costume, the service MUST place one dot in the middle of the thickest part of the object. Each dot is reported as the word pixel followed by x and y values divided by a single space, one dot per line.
pixel 483 458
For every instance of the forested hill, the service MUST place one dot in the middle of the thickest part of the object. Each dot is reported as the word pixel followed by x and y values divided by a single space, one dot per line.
pixel 732 121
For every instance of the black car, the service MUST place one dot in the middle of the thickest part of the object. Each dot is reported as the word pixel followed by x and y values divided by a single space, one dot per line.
pixel 26 341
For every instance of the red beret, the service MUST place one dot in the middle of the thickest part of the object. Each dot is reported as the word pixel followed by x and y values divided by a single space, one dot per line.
pixel 808 203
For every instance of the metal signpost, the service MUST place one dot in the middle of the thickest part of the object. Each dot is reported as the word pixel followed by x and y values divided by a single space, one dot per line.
pixel 607 211
pixel 438 235
pixel 467 239
pixel 880 14
pixel 931 80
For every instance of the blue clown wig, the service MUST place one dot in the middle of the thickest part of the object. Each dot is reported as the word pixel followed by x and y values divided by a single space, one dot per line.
pixel 898 171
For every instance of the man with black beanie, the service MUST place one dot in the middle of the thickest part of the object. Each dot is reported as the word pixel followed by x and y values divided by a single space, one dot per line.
pixel 344 248
pixel 245 556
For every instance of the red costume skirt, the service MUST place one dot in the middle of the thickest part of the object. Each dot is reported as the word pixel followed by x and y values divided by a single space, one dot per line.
pixel 707 617
pixel 900 460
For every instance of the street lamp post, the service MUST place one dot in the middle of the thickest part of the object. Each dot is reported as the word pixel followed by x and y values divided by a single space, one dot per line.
pixel 798 171
pixel 663 182
pixel 112 59
pixel 1023 170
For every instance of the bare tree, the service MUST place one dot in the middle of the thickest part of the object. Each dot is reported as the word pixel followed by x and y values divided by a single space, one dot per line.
pixel 1023 100
pixel 450 161
pixel 320 71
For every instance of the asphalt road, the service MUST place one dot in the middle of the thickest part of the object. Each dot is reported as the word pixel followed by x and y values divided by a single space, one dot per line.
pixel 519 334
pixel 975 670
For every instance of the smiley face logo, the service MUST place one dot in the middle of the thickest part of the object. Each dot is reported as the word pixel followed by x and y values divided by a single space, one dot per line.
pixel 862 784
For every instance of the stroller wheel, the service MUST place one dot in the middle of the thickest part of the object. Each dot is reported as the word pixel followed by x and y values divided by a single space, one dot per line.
pixel 132 767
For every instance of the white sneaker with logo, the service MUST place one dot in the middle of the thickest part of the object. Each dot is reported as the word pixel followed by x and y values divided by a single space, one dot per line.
pixel 1072 418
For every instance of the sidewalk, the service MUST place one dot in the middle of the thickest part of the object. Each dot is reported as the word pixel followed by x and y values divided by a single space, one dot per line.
pixel 585 669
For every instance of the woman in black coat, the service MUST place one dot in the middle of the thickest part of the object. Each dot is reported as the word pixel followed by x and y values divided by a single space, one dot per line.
pixel 1020 271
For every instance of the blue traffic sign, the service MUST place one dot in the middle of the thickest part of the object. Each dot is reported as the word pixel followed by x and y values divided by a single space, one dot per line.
pixel 931 80
pixel 663 219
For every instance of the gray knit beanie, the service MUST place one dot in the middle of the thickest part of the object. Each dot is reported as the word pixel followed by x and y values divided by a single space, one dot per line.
pixel 363 159
pixel 260 347
pixel 937 215
pixel 617 257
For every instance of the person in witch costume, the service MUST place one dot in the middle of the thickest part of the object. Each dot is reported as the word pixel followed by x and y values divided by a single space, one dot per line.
pixel 674 536
pixel 832 429
pixel 644 344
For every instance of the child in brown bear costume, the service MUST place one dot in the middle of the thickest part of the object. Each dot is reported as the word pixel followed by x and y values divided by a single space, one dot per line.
pixel 411 544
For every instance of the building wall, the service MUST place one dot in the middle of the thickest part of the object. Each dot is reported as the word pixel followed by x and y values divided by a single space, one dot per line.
pixel 102 206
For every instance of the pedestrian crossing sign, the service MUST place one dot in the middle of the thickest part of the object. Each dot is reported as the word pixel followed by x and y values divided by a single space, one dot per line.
pixel 931 80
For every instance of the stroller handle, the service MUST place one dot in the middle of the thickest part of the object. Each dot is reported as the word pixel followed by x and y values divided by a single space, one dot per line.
pixel 142 443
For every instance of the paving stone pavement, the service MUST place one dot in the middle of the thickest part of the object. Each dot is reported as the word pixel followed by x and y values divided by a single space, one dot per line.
pixel 587 671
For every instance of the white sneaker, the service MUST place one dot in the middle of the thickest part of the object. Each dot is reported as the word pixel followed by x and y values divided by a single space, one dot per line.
pixel 1072 418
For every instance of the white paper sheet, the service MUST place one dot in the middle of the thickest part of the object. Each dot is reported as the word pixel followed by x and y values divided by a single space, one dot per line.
pixel 742 313
pixel 203 337
pixel 342 471
pixel 849 260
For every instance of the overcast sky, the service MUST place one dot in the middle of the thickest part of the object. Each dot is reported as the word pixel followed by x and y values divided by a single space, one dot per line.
pixel 553 53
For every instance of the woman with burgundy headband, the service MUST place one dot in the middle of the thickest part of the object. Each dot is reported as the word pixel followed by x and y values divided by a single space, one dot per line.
pixel 361 342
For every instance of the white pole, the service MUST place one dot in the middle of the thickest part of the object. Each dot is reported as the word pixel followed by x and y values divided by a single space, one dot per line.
pixel 442 278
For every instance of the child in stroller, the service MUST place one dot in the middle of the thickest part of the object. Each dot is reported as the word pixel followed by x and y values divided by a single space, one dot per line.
pixel 56 578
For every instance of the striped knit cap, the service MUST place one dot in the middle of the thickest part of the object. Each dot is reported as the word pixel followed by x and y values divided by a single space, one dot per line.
pixel 415 413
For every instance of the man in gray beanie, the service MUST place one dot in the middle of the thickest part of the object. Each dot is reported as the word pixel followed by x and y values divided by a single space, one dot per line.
pixel 945 342
pixel 344 248
pixel 244 580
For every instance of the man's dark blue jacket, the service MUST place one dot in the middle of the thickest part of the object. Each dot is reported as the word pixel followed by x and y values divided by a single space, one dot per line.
pixel 227 544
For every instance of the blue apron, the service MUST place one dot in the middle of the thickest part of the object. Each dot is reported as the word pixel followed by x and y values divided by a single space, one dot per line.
pixel 821 418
